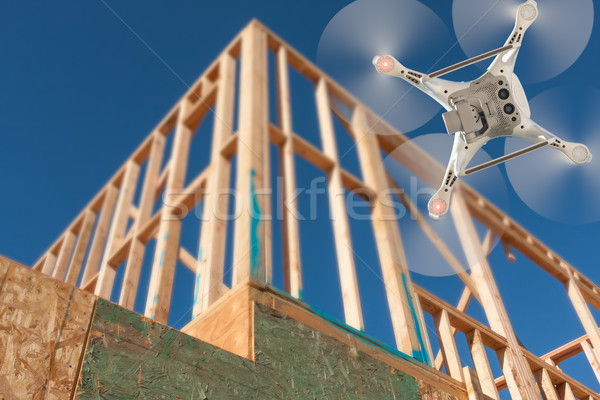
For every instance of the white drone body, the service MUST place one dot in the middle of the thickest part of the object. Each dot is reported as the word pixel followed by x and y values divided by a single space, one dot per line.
pixel 491 106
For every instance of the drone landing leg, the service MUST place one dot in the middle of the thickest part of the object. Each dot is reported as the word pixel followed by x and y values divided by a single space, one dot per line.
pixel 576 152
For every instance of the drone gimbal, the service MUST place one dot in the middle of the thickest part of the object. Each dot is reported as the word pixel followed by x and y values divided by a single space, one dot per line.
pixel 491 106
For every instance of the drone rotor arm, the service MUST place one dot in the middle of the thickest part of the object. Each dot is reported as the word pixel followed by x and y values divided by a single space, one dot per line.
pixel 504 62
pixel 462 154
pixel 388 65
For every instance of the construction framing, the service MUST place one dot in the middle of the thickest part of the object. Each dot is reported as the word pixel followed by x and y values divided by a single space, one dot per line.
pixel 113 231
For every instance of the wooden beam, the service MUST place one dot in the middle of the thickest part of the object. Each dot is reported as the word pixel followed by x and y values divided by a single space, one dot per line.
pixel 448 346
pixel 435 239
pixel 474 391
pixel 213 233
pixel 408 328
pixel 117 231
pixel 583 312
pixel 545 384
pixel 49 263
pixel 312 154
pixel 93 261
pixel 292 266
pixel 592 358
pixel 464 323
pixel 158 301
pixel 515 363
pixel 482 364
pixel 463 304
pixel 565 392
pixel 135 257
pixel 64 256
pixel 566 351
pixel 83 241
pixel 187 259
pixel 251 253
pixel 339 216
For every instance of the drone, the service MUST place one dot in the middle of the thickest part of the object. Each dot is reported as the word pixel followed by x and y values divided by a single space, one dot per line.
pixel 491 106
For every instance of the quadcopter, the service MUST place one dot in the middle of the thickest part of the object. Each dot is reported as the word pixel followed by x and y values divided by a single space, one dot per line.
pixel 491 106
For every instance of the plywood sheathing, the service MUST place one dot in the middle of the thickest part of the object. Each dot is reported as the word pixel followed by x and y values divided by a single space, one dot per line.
pixel 130 356
pixel 43 325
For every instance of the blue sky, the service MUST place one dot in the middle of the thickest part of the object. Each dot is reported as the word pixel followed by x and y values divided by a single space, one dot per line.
pixel 79 91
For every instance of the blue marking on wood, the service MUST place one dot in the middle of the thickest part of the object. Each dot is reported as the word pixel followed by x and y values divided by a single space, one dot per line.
pixel 420 354
pixel 197 288
pixel 162 258
pixel 255 218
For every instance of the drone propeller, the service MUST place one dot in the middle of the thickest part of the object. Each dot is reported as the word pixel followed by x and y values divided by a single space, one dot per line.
pixel 553 186
pixel 407 29
pixel 558 37
pixel 422 254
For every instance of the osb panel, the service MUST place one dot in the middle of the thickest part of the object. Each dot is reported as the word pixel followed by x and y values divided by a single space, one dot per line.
pixel 227 325
pixel 311 365
pixel 131 357
pixel 227 322
pixel 43 325
pixel 430 392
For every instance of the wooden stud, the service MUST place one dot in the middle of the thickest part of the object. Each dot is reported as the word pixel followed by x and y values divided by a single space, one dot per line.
pixel 583 312
pixel 592 358
pixel 339 216
pixel 463 304
pixel 392 259
pixel 448 346
pixel 64 256
pixel 80 249
pixel 213 233
pixel 93 261
pixel 251 253
pixel 565 392
pixel 158 301
pixel 515 366
pixel 493 340
pixel 545 384
pixel 117 232
pixel 472 385
pixel 481 364
pixel 292 270
pixel 49 263
pixel 137 249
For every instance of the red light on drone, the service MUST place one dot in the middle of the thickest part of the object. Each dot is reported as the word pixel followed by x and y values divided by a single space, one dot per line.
pixel 438 207
pixel 385 64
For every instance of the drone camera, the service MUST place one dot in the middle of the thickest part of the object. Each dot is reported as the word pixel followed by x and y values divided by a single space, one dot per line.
pixel 464 118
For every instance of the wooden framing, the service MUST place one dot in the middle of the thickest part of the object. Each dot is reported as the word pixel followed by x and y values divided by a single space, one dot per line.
pixel 292 268
pixel 514 364
pixel 114 229
pixel 251 253
pixel 339 215
pixel 387 235
pixel 167 242
pixel 211 251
